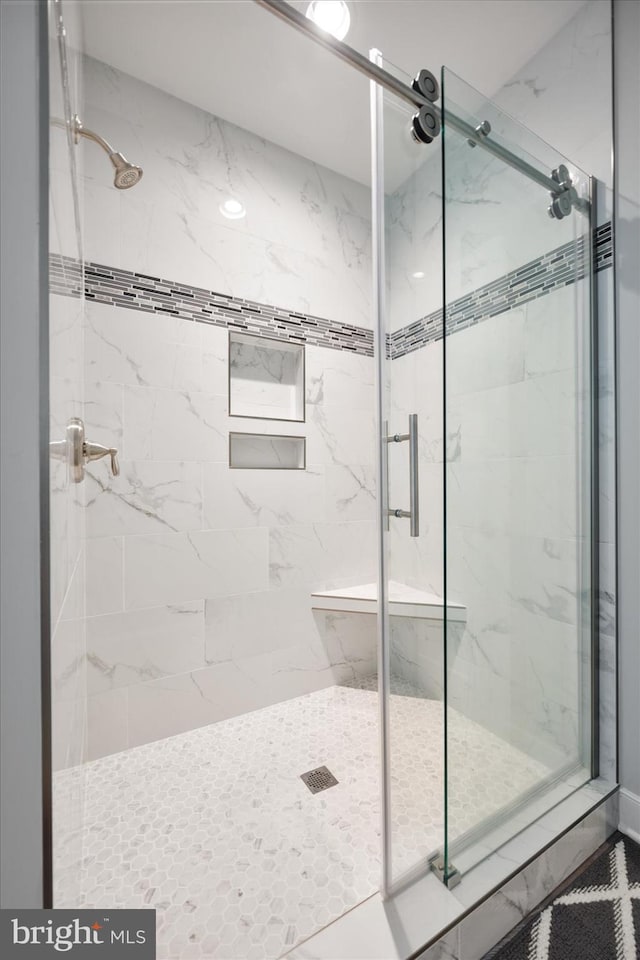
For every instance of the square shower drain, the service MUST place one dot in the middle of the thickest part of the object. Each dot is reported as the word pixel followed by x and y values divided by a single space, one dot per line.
pixel 319 779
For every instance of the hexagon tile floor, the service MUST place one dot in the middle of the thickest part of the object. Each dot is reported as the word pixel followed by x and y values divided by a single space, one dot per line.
pixel 215 829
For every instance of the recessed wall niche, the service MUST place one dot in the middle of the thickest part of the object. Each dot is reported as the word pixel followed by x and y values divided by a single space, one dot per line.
pixel 261 451
pixel 266 378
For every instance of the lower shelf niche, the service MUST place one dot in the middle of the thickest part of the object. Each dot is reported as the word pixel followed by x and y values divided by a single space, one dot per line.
pixel 262 451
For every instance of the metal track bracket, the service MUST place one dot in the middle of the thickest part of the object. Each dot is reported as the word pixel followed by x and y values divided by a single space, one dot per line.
pixel 450 877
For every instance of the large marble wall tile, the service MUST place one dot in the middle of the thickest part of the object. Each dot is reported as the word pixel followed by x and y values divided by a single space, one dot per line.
pixel 108 722
pixel 534 496
pixel 544 577
pixel 68 660
pixel 551 329
pixel 259 624
pixel 248 624
pixel 66 323
pixel 417 561
pixel 215 351
pixel 417 654
pixel 193 162
pixel 104 414
pixel 173 425
pixel 174 704
pixel 149 496
pixel 140 645
pixel 350 642
pixel 177 567
pixel 69 746
pixel 536 417
pixel 143 349
pixel 340 434
pixel 293 671
pixel 414 245
pixel 249 498
pixel 577 58
pixel 69 694
pixel 350 492
pixel 490 354
pixel 337 376
pixel 162 708
pixel 104 559
pixel 322 555
pixel 166 243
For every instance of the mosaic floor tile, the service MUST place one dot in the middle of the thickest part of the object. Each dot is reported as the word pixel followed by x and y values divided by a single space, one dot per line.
pixel 215 829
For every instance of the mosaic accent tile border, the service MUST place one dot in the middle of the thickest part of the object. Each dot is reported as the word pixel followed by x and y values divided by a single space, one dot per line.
pixel 558 268
pixel 137 291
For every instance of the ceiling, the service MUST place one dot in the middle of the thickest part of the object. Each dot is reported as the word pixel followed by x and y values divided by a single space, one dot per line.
pixel 236 60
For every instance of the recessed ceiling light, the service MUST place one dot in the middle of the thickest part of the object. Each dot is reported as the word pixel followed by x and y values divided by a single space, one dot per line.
pixel 332 15
pixel 232 209
pixel 418 275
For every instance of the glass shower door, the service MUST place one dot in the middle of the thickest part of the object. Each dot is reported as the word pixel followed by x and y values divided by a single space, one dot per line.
pixel 518 481
pixel 408 212
pixel 486 419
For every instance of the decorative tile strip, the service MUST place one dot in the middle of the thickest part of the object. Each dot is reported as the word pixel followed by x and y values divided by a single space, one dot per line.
pixel 558 268
pixel 138 291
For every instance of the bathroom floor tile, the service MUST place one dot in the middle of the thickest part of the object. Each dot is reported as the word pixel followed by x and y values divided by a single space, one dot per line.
pixel 216 830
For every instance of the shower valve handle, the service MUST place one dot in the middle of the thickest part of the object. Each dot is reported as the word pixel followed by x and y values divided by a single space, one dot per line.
pixel 95 451
pixel 76 451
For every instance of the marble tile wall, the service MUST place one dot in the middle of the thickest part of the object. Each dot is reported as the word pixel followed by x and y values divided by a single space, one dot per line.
pixel 576 64
pixel 174 440
pixel 198 576
pixel 513 534
pixel 303 244
pixel 513 416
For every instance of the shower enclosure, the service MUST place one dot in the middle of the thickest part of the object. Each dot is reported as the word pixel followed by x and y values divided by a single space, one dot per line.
pixel 328 626
pixel 486 350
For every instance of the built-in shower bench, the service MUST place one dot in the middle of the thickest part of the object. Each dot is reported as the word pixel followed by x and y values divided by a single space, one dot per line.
pixel 404 601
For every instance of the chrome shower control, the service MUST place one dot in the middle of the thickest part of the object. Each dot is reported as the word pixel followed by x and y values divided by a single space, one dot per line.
pixel 76 451
pixel 95 451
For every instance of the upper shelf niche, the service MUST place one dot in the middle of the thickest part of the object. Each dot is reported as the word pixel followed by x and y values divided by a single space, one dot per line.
pixel 266 378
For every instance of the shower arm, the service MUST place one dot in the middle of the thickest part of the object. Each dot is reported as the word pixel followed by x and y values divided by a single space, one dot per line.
pixel 78 130
pixel 476 136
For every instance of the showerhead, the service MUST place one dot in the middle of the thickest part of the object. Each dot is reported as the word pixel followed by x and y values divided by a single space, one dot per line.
pixel 127 174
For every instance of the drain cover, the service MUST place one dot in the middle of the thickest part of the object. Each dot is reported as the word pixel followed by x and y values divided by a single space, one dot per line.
pixel 319 779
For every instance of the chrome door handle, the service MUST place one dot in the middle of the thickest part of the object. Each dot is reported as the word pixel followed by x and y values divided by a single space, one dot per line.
pixel 76 451
pixel 413 513
pixel 414 493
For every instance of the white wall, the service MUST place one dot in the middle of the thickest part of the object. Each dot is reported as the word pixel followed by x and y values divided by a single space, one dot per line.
pixel 198 577
pixel 23 397
pixel 627 80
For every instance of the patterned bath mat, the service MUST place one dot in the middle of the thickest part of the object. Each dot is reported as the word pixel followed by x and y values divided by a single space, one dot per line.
pixel 597 917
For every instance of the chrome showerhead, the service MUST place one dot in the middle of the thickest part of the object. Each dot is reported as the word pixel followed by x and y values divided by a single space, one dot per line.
pixel 127 174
